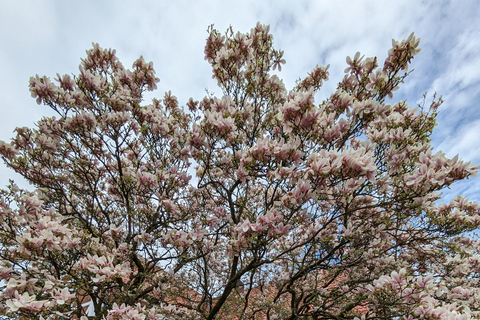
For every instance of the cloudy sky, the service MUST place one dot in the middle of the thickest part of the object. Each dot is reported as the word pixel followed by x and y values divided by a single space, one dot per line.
pixel 48 37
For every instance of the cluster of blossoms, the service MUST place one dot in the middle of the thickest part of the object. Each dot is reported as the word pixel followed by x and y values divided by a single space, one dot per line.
pixel 298 210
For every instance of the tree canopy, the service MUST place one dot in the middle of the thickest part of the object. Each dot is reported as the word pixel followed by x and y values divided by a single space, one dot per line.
pixel 257 204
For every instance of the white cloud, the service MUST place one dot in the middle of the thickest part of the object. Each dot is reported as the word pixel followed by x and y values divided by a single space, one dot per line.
pixel 465 142
pixel 47 37
pixel 26 24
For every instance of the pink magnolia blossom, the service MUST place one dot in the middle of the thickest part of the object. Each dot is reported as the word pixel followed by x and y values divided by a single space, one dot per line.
pixel 261 203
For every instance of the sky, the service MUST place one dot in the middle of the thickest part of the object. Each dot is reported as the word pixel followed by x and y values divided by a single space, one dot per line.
pixel 49 37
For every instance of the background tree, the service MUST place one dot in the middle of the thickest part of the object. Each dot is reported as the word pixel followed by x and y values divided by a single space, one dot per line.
pixel 297 211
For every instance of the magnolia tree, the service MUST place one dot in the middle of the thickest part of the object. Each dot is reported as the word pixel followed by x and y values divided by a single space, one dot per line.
pixel 297 210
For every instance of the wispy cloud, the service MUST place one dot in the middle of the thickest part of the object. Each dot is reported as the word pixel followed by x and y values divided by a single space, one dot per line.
pixel 47 37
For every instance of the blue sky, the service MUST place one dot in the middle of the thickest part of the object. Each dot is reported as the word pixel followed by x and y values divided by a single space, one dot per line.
pixel 48 37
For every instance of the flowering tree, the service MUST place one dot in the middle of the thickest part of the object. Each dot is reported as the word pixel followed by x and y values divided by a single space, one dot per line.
pixel 297 210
